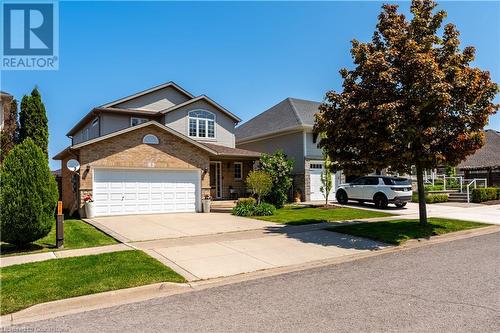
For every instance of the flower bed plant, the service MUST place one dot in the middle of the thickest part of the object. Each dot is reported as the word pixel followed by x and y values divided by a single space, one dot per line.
pixel 249 207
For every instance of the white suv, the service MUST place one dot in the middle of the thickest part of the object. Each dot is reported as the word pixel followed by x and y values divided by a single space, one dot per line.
pixel 381 190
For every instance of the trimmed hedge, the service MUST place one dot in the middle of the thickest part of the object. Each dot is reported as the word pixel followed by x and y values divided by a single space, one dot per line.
pixel 485 194
pixel 431 198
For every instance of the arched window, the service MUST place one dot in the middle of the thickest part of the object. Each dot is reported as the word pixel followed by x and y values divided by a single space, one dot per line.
pixel 201 124
pixel 150 139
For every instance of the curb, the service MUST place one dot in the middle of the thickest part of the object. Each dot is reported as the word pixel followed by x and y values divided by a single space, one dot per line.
pixel 108 299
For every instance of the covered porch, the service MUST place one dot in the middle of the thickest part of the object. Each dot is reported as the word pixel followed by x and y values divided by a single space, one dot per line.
pixel 229 170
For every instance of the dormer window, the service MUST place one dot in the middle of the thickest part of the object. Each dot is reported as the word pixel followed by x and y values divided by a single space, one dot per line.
pixel 201 124
pixel 137 121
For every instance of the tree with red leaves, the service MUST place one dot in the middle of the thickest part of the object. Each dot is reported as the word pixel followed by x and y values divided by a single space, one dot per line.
pixel 412 100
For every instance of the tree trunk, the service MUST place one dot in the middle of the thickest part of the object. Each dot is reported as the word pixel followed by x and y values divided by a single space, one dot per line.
pixel 422 211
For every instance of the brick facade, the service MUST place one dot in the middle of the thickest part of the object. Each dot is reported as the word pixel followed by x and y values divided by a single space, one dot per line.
pixel 229 182
pixel 128 151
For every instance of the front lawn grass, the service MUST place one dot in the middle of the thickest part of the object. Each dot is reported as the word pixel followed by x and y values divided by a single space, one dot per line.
pixel 399 231
pixel 77 234
pixel 28 284
pixel 306 215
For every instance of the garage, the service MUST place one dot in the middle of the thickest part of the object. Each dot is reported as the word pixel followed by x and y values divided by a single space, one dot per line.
pixel 139 191
pixel 315 183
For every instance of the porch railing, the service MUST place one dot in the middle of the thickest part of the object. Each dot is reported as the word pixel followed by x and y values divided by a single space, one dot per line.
pixel 474 182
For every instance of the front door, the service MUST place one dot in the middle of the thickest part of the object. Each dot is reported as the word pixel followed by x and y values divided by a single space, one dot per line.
pixel 216 180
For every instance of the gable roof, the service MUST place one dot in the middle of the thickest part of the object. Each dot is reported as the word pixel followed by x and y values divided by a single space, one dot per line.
pixel 209 147
pixel 148 91
pixel 289 114
pixel 149 123
pixel 96 111
pixel 487 156
pixel 208 100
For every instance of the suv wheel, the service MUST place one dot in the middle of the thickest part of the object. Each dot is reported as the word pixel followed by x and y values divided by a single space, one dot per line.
pixel 380 200
pixel 341 197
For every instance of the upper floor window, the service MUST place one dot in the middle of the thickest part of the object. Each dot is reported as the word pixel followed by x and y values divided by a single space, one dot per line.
pixel 201 124
pixel 137 121
pixel 95 122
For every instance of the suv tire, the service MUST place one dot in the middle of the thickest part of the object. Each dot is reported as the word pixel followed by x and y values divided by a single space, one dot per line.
pixel 341 197
pixel 380 200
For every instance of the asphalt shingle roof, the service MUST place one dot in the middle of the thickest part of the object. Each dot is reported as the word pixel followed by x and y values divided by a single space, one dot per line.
pixel 287 114
pixel 486 157
pixel 228 151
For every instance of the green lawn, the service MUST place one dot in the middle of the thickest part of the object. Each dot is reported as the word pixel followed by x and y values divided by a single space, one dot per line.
pixel 399 231
pixel 77 234
pixel 305 215
pixel 28 284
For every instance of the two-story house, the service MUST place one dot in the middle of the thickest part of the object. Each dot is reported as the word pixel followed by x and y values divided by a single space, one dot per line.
pixel 160 150
pixel 288 126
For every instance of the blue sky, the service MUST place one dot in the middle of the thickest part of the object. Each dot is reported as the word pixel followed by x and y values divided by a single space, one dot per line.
pixel 246 55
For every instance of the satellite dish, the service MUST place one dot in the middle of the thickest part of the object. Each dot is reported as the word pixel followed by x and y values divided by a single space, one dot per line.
pixel 73 165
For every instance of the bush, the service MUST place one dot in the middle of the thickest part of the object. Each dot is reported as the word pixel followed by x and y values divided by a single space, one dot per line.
pixel 485 194
pixel 244 207
pixel 433 187
pixel 431 198
pixel 249 207
pixel 436 197
pixel 264 209
pixel 28 196
pixel 280 170
pixel 260 182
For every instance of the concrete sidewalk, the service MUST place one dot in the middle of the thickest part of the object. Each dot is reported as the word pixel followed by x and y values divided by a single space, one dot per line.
pixel 42 256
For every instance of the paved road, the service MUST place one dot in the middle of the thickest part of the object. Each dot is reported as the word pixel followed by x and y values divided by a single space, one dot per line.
pixel 449 287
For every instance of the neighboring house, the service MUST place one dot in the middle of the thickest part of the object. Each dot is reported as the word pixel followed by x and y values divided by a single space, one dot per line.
pixel 160 150
pixel 289 126
pixel 485 162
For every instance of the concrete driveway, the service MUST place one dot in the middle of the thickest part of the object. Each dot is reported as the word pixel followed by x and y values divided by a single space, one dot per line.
pixel 225 258
pixel 203 246
pixel 132 228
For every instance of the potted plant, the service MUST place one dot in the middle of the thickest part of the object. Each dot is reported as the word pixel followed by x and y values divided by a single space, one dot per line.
pixel 89 206
pixel 206 203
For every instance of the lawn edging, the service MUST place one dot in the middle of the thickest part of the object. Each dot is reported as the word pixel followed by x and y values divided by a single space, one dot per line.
pixel 108 299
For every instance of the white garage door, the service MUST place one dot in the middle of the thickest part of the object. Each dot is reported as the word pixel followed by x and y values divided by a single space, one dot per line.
pixel 315 184
pixel 121 192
